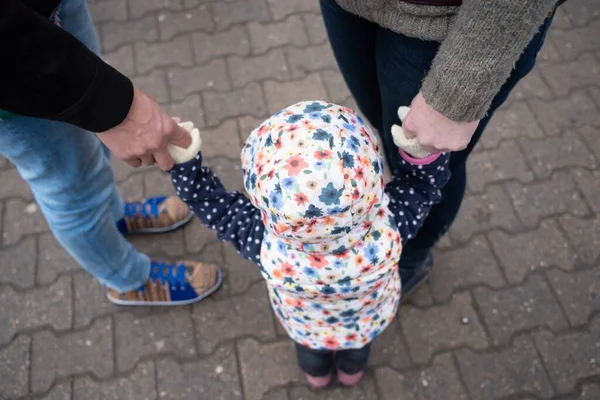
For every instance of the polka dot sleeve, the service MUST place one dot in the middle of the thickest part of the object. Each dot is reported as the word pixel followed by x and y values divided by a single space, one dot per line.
pixel 230 214
pixel 413 190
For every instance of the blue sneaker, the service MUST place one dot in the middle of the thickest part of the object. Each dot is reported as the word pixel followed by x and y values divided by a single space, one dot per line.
pixel 172 285
pixel 154 215
pixel 415 267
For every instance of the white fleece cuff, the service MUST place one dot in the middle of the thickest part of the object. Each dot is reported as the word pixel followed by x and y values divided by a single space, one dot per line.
pixel 181 155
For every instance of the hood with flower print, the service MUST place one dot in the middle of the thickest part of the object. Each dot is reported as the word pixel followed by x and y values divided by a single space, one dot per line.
pixel 331 246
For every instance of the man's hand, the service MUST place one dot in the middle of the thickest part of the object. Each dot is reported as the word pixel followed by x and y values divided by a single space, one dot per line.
pixel 143 136
pixel 435 132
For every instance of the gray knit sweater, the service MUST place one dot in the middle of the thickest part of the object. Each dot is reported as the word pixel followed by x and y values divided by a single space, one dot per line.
pixel 480 43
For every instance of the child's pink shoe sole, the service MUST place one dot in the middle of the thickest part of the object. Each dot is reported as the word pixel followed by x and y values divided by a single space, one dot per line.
pixel 319 382
pixel 350 380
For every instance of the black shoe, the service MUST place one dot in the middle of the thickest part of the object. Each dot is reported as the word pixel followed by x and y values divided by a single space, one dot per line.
pixel 415 267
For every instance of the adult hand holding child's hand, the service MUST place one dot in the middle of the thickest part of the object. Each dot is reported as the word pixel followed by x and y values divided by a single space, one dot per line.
pixel 143 137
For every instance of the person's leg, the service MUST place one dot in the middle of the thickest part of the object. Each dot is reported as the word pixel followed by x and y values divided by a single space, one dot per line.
pixel 351 364
pixel 316 364
pixel 353 42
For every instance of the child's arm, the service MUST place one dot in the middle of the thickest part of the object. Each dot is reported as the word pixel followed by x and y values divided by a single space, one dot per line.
pixel 416 185
pixel 230 214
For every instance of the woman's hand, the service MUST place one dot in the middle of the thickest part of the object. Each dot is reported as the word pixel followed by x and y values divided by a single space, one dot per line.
pixel 434 131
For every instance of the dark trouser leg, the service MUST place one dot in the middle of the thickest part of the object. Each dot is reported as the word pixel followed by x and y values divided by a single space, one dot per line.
pixel 352 361
pixel 314 362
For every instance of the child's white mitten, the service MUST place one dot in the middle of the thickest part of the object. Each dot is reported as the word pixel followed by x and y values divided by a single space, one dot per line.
pixel 410 146
pixel 181 155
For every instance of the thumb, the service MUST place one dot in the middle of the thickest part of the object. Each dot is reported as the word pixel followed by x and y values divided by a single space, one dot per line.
pixel 180 137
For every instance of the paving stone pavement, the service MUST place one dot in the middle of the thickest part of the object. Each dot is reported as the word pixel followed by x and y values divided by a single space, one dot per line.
pixel 512 310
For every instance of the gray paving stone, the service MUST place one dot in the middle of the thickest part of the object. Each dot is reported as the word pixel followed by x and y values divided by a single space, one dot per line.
pixel 588 392
pixel 249 69
pixel 122 60
pixel 230 173
pixel 160 246
pixel 227 13
pixel 503 163
pixel 337 90
pixel 264 366
pixel 514 121
pixel 18 264
pixel 115 10
pixel 215 377
pixel 219 106
pixel 190 109
pixel 13 185
pixel 212 76
pixel 158 183
pixel 132 189
pixel 35 308
pixel 573 42
pixel 592 137
pixel 589 183
pixel 421 297
pixel 54 357
pixel 561 19
pixel 594 91
pixel 473 264
pixel 241 273
pixel 167 332
pixel 154 85
pixel 175 23
pixel 281 9
pixel 198 237
pixel 141 7
pixel 585 236
pixel 562 114
pixel 278 394
pixel 549 51
pixel 221 321
pixel 546 198
pixel 139 385
pixel 389 349
pixel 280 95
pixel 366 390
pixel 518 308
pixel 291 31
pixel 310 59
pixel 441 327
pixel 577 74
pixel 570 356
pixel 578 292
pixel 4 163
pixel 20 219
pixel 567 150
pixel 580 12
pixel 532 86
pixel 151 55
pixel 233 41
pixel 115 34
pixel 14 368
pixel 492 209
pixel 495 375
pixel 90 300
pixel 315 28
pixel 247 125
pixel 53 260
pixel 438 381
pixel 61 391
pixel 223 140
pixel 523 253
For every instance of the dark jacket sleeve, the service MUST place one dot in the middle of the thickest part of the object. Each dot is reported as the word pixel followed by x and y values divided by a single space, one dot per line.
pixel 47 73
pixel 413 190
pixel 230 214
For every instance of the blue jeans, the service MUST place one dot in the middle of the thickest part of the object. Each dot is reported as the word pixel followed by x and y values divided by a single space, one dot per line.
pixel 383 71
pixel 69 173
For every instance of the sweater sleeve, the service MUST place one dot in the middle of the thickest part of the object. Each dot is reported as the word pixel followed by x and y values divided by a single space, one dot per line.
pixel 479 53
pixel 414 188
pixel 47 73
pixel 230 214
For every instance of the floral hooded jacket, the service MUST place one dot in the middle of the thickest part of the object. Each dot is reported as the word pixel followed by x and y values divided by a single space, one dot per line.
pixel 321 224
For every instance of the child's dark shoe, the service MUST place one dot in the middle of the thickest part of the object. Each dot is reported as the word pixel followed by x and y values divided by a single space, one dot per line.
pixel 350 379
pixel 319 382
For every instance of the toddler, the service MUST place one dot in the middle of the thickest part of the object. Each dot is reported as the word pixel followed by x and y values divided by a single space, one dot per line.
pixel 320 223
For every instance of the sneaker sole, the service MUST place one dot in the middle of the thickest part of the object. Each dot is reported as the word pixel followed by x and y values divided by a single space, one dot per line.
pixel 169 303
pixel 165 229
